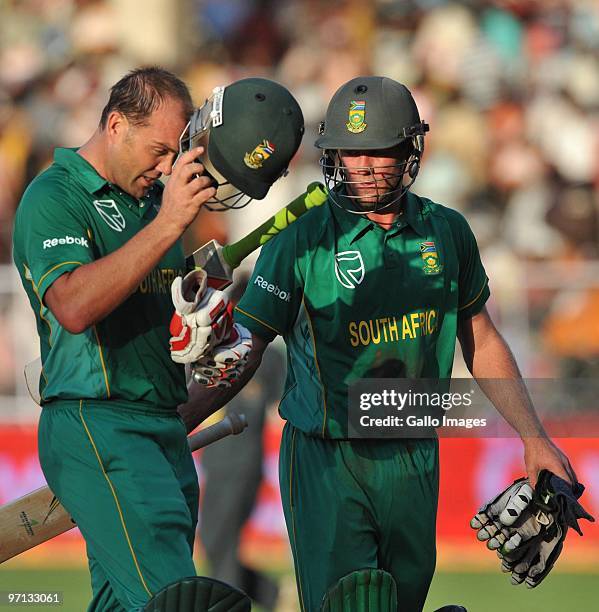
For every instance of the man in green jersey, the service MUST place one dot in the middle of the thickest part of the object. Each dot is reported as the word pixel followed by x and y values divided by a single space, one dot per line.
pixel 377 283
pixel 97 245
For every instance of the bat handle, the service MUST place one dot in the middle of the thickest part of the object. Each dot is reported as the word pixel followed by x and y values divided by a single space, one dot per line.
pixel 235 253
pixel 232 424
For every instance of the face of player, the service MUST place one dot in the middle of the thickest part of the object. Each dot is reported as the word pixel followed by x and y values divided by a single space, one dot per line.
pixel 370 175
pixel 140 154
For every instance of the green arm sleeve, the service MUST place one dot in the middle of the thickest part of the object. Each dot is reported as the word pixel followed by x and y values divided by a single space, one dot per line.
pixel 48 238
pixel 273 296
pixel 473 281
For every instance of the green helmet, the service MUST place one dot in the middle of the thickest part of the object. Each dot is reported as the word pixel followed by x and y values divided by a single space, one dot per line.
pixel 250 130
pixel 371 113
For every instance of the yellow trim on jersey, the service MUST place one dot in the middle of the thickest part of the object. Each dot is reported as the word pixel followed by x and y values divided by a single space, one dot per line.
pixel 324 396
pixel 28 277
pixel 42 398
pixel 102 361
pixel 299 582
pixel 476 298
pixel 64 263
pixel 247 314
pixel 116 500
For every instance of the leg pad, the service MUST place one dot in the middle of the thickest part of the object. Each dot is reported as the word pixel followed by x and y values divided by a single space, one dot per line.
pixel 367 590
pixel 199 593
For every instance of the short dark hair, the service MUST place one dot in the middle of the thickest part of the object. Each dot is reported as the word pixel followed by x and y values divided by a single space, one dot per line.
pixel 141 91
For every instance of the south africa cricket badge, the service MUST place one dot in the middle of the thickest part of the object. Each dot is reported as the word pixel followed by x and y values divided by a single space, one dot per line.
pixel 357 117
pixel 430 257
pixel 259 155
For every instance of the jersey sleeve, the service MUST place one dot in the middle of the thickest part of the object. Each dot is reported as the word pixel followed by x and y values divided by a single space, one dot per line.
pixel 274 293
pixel 473 281
pixel 50 239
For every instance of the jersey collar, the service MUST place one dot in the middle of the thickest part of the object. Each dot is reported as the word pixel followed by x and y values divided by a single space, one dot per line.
pixel 83 172
pixel 356 226
pixel 414 213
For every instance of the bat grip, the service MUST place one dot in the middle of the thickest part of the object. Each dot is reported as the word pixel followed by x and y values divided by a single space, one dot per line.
pixel 232 424
pixel 235 253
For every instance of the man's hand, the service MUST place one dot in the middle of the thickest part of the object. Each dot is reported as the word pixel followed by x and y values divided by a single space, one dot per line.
pixel 185 193
pixel 202 319
pixel 541 453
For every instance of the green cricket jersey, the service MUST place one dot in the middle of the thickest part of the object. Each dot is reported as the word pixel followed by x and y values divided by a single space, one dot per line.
pixel 353 300
pixel 68 217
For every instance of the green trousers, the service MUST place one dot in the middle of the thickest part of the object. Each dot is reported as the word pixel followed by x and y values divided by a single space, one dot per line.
pixel 358 504
pixel 127 478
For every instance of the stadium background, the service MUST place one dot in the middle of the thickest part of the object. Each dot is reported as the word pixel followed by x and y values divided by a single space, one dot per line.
pixel 511 91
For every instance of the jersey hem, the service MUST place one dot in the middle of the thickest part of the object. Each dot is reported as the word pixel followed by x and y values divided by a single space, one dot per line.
pixel 475 305
pixel 260 322
pixel 132 406
pixel 52 274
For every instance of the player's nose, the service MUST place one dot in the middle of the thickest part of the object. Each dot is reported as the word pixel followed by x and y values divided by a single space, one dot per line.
pixel 166 165
pixel 363 163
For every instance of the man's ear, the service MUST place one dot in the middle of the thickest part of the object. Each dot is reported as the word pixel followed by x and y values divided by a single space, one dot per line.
pixel 116 124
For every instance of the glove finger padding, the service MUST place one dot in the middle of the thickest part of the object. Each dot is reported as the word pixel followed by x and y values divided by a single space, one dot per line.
pixel 226 362
pixel 489 531
pixel 203 317
pixel 493 519
pixel 516 505
pixel 537 557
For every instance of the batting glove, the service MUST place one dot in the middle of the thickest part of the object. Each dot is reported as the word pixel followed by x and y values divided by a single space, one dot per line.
pixel 226 362
pixel 554 509
pixel 203 317
pixel 529 531
pixel 494 518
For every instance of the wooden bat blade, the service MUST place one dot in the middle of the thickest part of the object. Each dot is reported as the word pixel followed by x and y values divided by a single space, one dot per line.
pixel 31 520
pixel 39 516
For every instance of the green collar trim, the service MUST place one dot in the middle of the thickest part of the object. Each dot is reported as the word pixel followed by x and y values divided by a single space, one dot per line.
pixel 83 172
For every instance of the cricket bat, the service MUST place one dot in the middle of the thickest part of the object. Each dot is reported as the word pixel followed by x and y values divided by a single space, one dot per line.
pixel 39 516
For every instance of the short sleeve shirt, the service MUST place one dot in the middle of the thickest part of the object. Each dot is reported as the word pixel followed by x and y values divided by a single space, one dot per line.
pixel 70 216
pixel 353 301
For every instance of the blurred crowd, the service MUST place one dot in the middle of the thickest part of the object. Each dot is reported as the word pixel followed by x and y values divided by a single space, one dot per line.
pixel 510 89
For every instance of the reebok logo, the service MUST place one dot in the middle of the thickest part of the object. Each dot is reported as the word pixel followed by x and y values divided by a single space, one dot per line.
pixel 52 242
pixel 274 289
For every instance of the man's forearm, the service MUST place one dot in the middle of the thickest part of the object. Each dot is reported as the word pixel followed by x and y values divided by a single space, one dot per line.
pixel 495 370
pixel 204 401
pixel 492 364
pixel 89 293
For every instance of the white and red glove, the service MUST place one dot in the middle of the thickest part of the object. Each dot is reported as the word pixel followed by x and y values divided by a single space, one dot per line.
pixel 203 317
pixel 226 361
